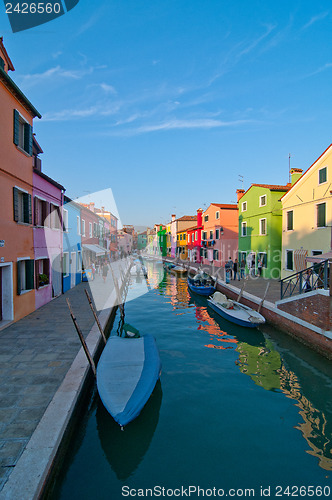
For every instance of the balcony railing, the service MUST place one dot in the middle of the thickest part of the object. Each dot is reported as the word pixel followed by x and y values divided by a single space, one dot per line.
pixel 312 278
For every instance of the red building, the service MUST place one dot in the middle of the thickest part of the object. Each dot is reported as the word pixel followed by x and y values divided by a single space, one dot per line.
pixel 194 238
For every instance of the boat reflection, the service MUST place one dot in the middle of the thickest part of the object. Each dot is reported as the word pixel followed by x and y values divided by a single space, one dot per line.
pixel 125 450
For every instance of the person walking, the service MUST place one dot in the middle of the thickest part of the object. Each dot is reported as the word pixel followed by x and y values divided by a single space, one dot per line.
pixel 236 273
pixel 243 269
pixel 260 265
pixel 105 271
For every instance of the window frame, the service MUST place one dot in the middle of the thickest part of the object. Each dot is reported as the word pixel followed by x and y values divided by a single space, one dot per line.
pixel 317 215
pixel 260 200
pixel 260 227
pixel 319 171
pixel 217 214
pixel 244 206
pixel 287 220
pixel 287 251
pixel 244 225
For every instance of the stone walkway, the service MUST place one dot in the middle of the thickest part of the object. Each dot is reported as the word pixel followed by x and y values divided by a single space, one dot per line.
pixel 36 354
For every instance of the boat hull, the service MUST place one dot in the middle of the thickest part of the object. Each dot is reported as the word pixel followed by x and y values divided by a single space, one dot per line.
pixel 127 373
pixel 226 314
pixel 206 291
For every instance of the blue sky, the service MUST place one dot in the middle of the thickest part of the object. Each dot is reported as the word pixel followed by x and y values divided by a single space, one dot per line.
pixel 168 102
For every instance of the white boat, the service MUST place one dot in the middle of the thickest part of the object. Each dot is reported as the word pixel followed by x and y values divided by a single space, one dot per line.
pixel 234 311
pixel 178 269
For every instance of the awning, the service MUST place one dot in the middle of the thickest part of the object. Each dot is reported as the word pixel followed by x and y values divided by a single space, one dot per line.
pixel 98 250
pixel 320 258
pixel 300 259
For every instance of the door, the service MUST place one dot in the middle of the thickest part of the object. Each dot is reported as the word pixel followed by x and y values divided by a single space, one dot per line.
pixel 73 270
pixel 0 293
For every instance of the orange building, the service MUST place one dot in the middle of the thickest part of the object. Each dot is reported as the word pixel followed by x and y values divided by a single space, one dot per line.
pixel 17 281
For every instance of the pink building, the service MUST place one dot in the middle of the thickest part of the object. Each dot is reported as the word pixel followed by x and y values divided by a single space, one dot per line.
pixel 47 232
pixel 194 238
pixel 220 234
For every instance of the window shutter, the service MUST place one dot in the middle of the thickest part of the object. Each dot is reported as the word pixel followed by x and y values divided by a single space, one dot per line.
pixel 16 126
pixel 28 138
pixel 2 63
pixel 19 263
pixel 30 266
pixel 15 203
pixel 27 209
pixel 321 219
pixel 37 273
pixel 35 211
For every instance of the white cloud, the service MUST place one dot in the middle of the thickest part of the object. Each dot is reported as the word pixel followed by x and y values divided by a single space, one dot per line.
pixel 314 19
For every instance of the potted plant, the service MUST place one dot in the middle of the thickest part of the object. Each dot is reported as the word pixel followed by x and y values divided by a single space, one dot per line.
pixel 43 279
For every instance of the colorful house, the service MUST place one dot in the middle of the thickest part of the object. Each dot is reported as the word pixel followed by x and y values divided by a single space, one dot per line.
pixel 194 238
pixel 17 266
pixel 91 228
pixel 220 234
pixel 47 233
pixel 72 246
pixel 307 216
pixel 182 250
pixel 162 239
pixel 178 226
pixel 142 240
pixel 260 227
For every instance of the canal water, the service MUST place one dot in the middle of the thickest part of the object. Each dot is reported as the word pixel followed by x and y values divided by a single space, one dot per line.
pixel 235 409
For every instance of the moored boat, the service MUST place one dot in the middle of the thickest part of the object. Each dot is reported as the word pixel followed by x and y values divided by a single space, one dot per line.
pixel 127 373
pixel 178 269
pixel 201 284
pixel 234 311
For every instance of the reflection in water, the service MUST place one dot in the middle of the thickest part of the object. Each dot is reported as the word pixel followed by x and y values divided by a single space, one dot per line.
pixel 259 359
pixel 126 449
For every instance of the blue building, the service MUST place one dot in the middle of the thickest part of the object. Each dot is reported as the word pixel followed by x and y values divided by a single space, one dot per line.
pixel 72 246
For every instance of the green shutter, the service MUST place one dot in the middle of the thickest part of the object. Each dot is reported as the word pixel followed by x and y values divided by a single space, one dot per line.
pixel 16 126
pixel 37 273
pixel 19 277
pixel 27 208
pixel 29 267
pixel 321 215
pixel 28 138
pixel 15 204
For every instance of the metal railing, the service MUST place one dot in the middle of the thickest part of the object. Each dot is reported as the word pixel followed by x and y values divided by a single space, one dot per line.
pixel 311 278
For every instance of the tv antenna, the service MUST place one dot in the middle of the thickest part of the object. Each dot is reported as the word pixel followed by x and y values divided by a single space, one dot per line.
pixel 241 179
pixel 289 174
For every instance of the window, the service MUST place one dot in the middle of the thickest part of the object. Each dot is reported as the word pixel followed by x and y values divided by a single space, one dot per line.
pixel 65 264
pixel 25 275
pixel 262 256
pixel 83 227
pixel 55 218
pixel 290 225
pixel 244 206
pixel 65 220
pixel 322 175
pixel 195 235
pixel 262 200
pixel 217 234
pixel 22 206
pixel 242 256
pixel 289 260
pixel 177 237
pixel 321 215
pixel 206 218
pixel 211 235
pixel 78 224
pixel 79 262
pixel 95 229
pixel 188 238
pixel 262 227
pixel 215 254
pixel 41 208
pixel 244 229
pixel 217 214
pixel 22 133
pixel 204 235
pixel 42 270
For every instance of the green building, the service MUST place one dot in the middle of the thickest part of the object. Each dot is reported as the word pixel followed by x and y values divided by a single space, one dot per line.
pixel 142 240
pixel 162 240
pixel 260 229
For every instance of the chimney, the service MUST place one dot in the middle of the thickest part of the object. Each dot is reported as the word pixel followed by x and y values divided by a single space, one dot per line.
pixel 240 193
pixel 91 206
pixel 173 217
pixel 199 217
pixel 295 174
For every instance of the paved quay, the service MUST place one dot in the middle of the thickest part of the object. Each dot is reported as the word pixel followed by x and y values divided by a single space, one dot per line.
pixel 36 354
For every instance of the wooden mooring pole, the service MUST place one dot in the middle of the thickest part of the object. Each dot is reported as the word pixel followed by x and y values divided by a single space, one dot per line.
pixel 95 315
pixel 241 291
pixel 265 294
pixel 80 334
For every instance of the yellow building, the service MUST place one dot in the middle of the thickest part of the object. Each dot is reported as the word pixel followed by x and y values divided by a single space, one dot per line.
pixel 307 216
pixel 168 239
pixel 181 244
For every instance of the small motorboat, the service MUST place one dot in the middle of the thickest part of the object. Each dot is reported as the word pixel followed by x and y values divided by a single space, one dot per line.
pixel 202 284
pixel 168 266
pixel 234 311
pixel 127 373
pixel 178 269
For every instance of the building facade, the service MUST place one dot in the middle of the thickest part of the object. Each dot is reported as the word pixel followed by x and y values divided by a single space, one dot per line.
pixel 307 216
pixel 17 266
pixel 72 256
